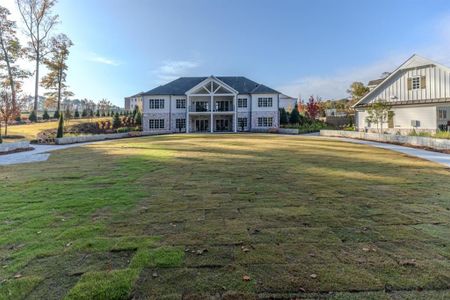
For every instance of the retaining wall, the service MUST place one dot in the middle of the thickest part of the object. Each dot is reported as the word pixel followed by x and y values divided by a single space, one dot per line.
pixel 420 141
pixel 101 137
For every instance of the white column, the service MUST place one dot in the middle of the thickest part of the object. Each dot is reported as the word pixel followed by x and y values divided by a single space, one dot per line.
pixel 188 122
pixel 235 113
pixel 211 108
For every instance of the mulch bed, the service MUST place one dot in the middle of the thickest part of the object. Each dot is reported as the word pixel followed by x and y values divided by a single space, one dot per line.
pixel 17 151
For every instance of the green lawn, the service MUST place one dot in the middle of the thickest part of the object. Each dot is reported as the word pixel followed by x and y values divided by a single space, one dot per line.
pixel 232 216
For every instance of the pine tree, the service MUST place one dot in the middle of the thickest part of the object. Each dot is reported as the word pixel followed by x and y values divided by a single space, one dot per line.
pixel 84 113
pixel 77 114
pixel 283 116
pixel 295 115
pixel 60 132
pixel 32 117
pixel 45 116
pixel 116 121
pixel 56 115
pixel 97 114
pixel 138 119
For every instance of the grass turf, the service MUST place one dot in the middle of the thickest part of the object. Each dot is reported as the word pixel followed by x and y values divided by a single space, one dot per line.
pixel 235 216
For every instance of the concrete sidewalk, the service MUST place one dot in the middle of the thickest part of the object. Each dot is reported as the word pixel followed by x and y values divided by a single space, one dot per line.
pixel 39 153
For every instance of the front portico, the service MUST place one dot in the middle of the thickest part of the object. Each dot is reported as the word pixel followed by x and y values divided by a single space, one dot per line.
pixel 211 107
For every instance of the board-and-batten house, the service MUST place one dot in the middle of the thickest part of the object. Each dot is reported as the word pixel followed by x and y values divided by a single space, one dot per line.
pixel 419 93
pixel 210 104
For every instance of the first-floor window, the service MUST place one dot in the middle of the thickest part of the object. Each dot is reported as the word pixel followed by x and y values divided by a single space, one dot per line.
pixel 242 122
pixel 180 123
pixel 265 122
pixel 442 114
pixel 156 123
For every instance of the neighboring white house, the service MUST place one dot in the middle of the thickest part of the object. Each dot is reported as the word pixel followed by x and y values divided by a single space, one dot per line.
pixel 210 104
pixel 419 93
pixel 133 101
pixel 286 102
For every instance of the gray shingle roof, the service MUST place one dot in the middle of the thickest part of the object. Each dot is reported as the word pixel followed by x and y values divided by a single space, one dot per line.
pixel 183 84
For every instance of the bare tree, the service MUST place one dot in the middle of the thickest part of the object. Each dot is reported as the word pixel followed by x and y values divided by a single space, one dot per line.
pixel 39 21
pixel 55 80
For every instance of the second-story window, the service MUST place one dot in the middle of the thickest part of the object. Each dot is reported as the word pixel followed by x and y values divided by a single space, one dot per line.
pixel 265 102
pixel 416 83
pixel 181 103
pixel 156 104
pixel 242 102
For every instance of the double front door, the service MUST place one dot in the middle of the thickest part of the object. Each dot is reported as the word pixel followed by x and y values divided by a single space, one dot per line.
pixel 201 125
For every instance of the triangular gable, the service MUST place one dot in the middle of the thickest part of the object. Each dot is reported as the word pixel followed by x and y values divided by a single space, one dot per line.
pixel 217 85
pixel 414 61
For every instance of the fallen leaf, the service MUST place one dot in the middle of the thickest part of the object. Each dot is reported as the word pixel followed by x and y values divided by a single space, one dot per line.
pixel 313 276
pixel 246 278
pixel 17 275
pixel 155 274
pixel 366 249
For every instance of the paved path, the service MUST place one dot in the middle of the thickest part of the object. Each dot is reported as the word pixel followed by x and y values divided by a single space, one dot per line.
pixel 40 153
pixel 440 158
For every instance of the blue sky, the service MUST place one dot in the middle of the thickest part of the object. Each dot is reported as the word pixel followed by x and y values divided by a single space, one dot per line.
pixel 299 47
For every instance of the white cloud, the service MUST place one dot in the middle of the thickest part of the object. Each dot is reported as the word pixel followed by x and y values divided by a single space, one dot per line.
pixel 334 86
pixel 102 60
pixel 172 69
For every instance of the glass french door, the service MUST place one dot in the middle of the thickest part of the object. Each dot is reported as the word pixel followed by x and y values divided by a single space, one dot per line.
pixel 201 125
pixel 223 125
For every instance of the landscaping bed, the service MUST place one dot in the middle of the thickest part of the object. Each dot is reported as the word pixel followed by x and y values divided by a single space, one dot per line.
pixel 225 216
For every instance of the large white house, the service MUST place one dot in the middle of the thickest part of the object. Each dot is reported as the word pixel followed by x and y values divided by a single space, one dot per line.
pixel 419 92
pixel 210 104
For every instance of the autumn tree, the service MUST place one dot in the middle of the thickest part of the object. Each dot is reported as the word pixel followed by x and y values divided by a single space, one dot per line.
pixel 7 110
pixel 39 20
pixel 312 108
pixel 10 51
pixel 357 90
pixel 55 80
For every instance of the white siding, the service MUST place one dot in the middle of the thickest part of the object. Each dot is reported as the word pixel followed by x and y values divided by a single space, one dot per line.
pixel 437 85
pixel 426 115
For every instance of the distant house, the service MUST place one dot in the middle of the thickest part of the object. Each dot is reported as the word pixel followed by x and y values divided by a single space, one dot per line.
pixel 334 112
pixel 210 104
pixel 419 93
pixel 287 102
pixel 133 101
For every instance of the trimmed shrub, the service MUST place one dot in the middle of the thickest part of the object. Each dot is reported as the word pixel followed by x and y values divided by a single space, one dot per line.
pixel 32 117
pixel 77 114
pixel 60 132
pixel 116 121
pixel 45 116
pixel 56 115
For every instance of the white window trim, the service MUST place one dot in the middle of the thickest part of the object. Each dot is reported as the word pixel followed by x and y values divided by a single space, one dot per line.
pixel 265 121
pixel 241 102
pixel 265 102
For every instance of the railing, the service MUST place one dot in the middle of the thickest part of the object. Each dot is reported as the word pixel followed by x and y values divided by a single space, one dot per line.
pixel 194 108
pixel 230 108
